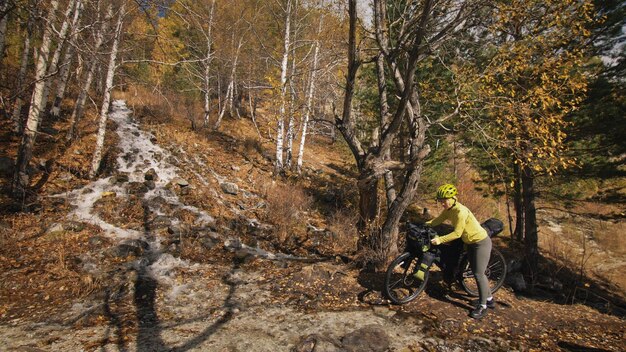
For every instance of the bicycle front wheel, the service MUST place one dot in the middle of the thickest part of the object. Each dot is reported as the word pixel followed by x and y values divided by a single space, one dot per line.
pixel 400 284
pixel 496 273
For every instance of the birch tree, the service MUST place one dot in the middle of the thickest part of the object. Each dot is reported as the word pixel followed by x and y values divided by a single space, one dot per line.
pixel 309 101
pixel 19 102
pixel 280 127
pixel 231 88
pixel 54 61
pixel 77 112
pixel 104 110
pixel 21 179
pixel 64 72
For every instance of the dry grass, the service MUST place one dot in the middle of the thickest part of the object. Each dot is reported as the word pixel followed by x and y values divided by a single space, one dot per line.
pixel 343 225
pixel 286 205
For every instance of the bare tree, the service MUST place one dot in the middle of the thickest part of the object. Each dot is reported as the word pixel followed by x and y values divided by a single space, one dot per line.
pixel 21 179
pixel 104 110
pixel 64 72
pixel 309 103
pixel 19 102
pixel 413 33
pixel 77 112
pixel 53 66
pixel 231 89
pixel 280 127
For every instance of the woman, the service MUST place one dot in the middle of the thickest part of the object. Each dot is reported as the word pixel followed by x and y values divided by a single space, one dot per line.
pixel 475 238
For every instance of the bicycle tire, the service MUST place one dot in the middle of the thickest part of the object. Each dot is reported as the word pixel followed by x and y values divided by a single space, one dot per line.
pixel 496 273
pixel 400 285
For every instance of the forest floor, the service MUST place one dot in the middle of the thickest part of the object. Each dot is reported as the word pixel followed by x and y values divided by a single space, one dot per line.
pixel 191 257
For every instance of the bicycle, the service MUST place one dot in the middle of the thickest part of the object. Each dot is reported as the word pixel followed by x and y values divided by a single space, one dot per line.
pixel 401 285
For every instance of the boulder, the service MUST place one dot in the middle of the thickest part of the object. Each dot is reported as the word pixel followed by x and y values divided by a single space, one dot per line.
pixel 371 338
pixel 229 188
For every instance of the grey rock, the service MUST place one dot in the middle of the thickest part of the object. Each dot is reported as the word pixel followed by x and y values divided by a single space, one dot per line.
pixel 233 244
pixel 96 240
pixel 371 338
pixel 229 188
pixel 151 175
pixel 150 184
pixel 137 188
pixel 75 226
pixel 181 182
pixel 55 229
pixel 121 177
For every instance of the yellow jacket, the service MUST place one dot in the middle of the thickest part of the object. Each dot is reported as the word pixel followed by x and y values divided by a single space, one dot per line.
pixel 465 224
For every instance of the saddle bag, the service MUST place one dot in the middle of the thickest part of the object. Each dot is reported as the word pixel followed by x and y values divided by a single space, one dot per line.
pixel 493 226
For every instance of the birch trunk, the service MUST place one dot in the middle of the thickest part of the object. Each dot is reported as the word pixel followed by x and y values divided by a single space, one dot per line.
pixel 230 91
pixel 309 102
pixel 21 179
pixel 104 111
pixel 280 128
pixel 292 122
pixel 207 69
pixel 54 63
pixel 79 106
pixel 65 64
pixel 17 109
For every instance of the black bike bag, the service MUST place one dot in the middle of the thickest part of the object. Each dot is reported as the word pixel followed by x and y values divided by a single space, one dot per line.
pixel 493 226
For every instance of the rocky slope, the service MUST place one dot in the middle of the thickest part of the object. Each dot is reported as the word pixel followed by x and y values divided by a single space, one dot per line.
pixel 171 251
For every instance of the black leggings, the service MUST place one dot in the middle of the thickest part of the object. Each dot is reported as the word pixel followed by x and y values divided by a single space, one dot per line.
pixel 479 254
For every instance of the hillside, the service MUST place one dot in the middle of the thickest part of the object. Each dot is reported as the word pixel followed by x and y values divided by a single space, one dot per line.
pixel 187 243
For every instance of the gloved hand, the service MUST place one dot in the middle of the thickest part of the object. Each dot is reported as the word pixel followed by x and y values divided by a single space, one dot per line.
pixel 436 241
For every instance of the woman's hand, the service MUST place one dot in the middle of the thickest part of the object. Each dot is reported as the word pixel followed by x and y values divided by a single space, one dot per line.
pixel 435 241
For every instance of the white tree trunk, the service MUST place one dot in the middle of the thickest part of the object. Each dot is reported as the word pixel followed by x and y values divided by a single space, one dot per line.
pixel 64 74
pixel 21 179
pixel 309 102
pixel 54 63
pixel 207 68
pixel 280 128
pixel 17 109
pixel 230 90
pixel 104 111
pixel 79 106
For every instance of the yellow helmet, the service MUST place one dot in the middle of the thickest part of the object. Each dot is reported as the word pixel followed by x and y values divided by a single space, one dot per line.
pixel 446 191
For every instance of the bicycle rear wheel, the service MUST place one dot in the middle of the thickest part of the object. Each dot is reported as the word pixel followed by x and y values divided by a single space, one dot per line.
pixel 400 285
pixel 496 273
